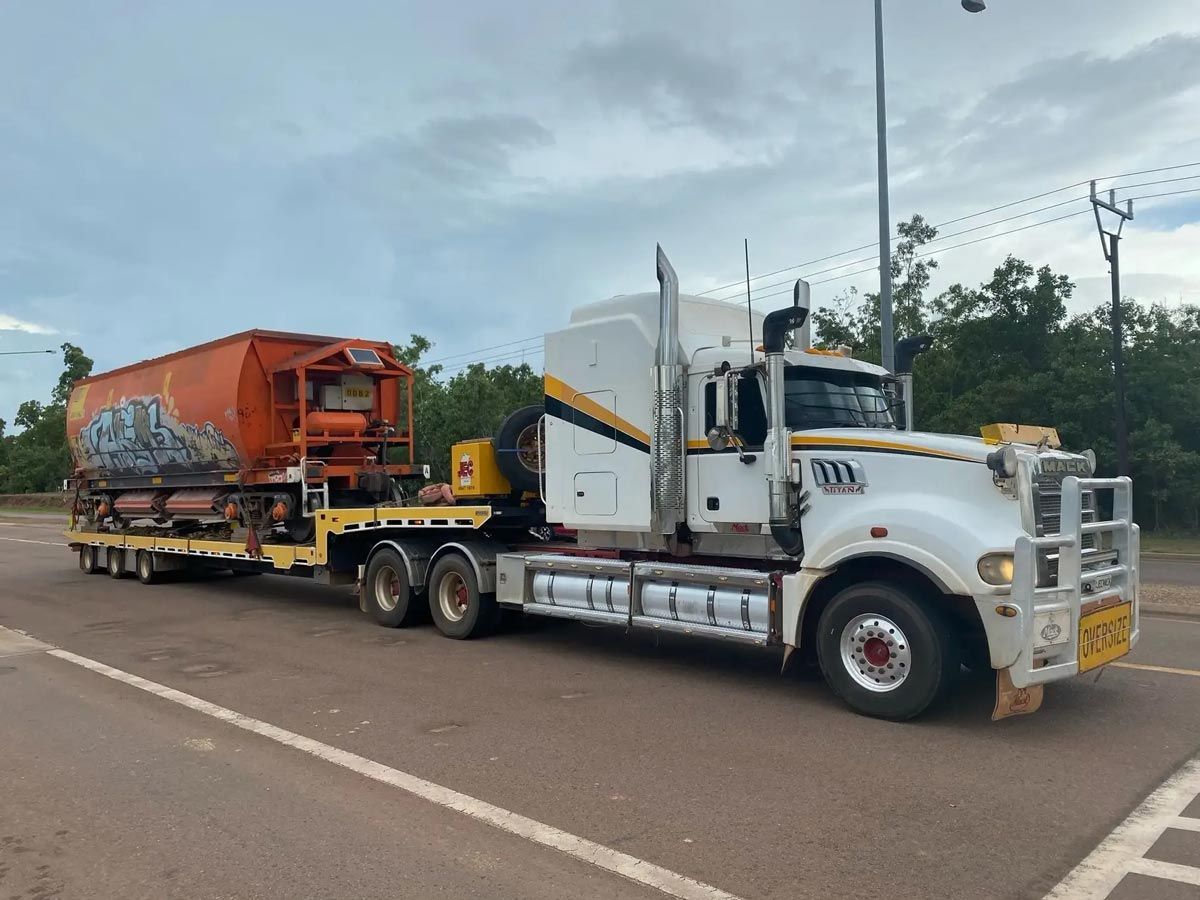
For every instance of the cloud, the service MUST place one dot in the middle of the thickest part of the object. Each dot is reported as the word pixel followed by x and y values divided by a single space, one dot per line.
pixel 10 323
pixel 472 172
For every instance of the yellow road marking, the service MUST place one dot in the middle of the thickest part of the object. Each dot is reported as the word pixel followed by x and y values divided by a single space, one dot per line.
pixel 1170 670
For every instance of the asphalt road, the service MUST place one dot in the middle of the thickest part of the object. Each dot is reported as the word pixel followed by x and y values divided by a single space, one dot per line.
pixel 1163 570
pixel 699 758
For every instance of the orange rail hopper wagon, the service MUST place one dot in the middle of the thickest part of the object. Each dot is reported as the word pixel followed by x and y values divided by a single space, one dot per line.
pixel 260 429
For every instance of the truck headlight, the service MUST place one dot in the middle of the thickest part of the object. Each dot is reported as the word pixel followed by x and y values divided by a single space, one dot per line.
pixel 1003 462
pixel 996 568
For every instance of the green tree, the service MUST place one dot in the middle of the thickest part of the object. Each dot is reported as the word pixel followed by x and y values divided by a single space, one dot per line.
pixel 1006 351
pixel 37 457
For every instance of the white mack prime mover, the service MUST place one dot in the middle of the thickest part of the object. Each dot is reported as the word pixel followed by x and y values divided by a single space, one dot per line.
pixel 780 498
pixel 681 478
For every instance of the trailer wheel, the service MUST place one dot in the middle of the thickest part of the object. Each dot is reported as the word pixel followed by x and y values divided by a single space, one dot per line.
pixel 884 652
pixel 459 610
pixel 115 562
pixel 519 455
pixel 388 592
pixel 144 565
pixel 89 563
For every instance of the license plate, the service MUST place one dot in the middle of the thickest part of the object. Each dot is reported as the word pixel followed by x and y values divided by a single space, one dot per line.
pixel 1097 584
pixel 1104 635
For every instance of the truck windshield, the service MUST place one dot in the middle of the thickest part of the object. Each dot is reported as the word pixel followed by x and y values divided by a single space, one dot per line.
pixel 828 398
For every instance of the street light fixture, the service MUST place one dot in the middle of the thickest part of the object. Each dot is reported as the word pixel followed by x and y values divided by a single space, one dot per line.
pixel 886 329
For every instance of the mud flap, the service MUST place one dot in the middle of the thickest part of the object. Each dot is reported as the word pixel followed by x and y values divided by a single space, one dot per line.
pixel 1015 701
pixel 788 650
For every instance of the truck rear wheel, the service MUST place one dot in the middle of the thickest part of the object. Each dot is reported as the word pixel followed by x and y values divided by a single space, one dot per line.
pixel 884 652
pixel 459 610
pixel 145 568
pixel 89 562
pixel 389 596
pixel 115 562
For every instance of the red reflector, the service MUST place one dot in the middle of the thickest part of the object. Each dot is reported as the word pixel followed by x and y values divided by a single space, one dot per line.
pixel 878 531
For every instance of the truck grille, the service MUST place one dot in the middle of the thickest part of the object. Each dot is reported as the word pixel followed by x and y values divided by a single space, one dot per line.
pixel 1047 510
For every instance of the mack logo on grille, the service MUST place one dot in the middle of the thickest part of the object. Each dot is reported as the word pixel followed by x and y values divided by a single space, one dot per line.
pixel 1051 632
pixel 1064 467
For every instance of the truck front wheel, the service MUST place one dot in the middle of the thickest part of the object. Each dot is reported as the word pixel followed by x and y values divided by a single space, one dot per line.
pixel 389 595
pixel 459 609
pixel 884 652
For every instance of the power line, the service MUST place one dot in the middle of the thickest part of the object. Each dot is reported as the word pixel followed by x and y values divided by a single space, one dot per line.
pixel 938 250
pixel 1166 194
pixel 482 350
pixel 510 358
pixel 954 221
pixel 457 366
pixel 943 237
pixel 22 352
pixel 1125 187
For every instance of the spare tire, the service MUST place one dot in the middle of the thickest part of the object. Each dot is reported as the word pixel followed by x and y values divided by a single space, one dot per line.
pixel 518 448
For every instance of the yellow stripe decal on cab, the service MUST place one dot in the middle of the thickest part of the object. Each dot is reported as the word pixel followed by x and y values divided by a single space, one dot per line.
pixel 563 392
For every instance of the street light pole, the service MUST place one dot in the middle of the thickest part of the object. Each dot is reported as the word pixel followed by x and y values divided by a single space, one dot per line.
pixel 886 332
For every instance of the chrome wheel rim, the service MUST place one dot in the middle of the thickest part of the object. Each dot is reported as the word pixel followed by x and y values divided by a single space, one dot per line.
pixel 453 597
pixel 145 567
pixel 387 588
pixel 529 451
pixel 876 653
pixel 87 558
pixel 114 562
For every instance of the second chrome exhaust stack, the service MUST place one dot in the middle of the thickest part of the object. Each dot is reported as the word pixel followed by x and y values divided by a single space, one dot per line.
pixel 669 502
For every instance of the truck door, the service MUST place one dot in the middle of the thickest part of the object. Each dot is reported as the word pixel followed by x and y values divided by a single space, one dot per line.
pixel 733 486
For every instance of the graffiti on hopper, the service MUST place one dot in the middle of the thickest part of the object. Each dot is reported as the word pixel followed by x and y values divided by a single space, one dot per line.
pixel 139 434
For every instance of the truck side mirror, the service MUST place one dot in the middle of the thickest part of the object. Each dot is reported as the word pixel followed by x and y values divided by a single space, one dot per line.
pixel 726 421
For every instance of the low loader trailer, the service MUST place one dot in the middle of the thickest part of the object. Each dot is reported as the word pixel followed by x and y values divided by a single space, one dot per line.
pixel 682 476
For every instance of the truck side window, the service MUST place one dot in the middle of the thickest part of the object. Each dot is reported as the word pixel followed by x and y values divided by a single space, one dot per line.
pixel 752 413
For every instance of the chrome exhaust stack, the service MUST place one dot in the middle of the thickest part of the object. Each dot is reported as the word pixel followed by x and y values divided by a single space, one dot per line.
pixel 669 502
pixel 907 350
pixel 802 299
pixel 785 497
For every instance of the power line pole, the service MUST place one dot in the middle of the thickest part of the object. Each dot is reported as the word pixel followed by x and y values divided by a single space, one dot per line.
pixel 1111 248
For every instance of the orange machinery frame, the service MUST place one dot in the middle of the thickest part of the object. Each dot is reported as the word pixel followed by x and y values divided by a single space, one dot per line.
pixel 333 358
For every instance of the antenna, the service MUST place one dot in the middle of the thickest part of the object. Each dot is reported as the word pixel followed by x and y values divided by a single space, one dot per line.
pixel 749 315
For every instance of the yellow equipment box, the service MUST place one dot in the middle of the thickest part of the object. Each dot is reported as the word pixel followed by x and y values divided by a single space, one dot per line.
pixel 475 471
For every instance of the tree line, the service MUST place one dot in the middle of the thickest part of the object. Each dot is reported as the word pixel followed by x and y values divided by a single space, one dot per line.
pixel 1004 351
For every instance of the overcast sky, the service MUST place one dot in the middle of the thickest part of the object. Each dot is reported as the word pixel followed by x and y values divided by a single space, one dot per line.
pixel 174 172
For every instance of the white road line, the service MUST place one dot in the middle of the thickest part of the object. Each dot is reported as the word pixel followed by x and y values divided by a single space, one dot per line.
pixel 1123 850
pixel 1169 670
pixel 631 867
pixel 1184 823
pixel 1159 869
pixel 28 541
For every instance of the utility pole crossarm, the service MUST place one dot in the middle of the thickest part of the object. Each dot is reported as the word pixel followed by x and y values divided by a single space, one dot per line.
pixel 1111 248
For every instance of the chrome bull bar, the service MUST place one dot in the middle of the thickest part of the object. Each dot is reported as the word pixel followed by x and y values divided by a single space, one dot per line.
pixel 1116 580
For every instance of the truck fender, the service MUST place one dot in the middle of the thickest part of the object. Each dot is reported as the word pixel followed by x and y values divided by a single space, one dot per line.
pixel 480 554
pixel 937 570
pixel 798 586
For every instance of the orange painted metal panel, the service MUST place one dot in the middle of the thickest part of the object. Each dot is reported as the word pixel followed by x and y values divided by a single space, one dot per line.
pixel 208 409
